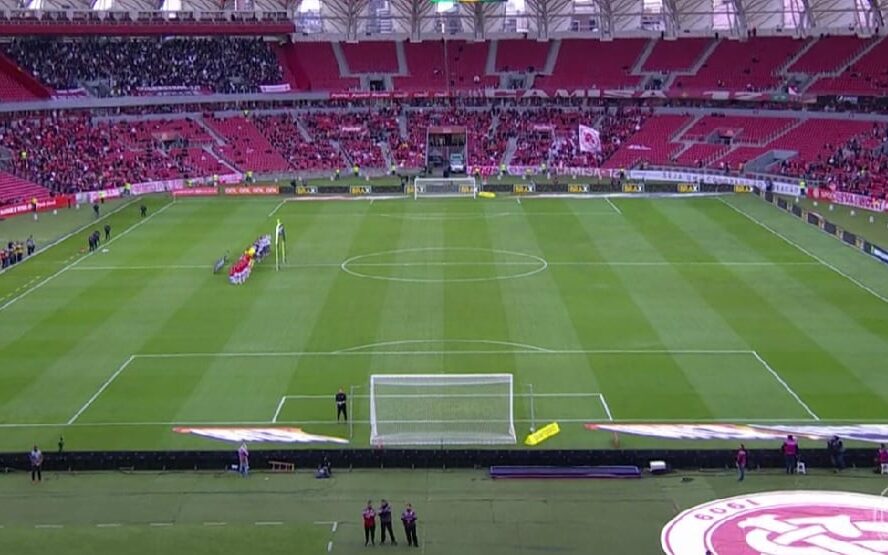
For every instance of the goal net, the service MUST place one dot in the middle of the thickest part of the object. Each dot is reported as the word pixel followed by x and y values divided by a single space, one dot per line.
pixel 441 409
pixel 445 186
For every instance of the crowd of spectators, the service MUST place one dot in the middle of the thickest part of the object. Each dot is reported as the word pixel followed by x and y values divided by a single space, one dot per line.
pixel 860 165
pixel 281 131
pixel 121 67
pixel 73 154
pixel 358 134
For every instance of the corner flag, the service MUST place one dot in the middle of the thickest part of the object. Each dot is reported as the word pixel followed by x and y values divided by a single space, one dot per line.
pixel 280 245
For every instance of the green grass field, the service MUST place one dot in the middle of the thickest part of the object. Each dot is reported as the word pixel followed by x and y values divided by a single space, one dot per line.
pixel 459 511
pixel 632 309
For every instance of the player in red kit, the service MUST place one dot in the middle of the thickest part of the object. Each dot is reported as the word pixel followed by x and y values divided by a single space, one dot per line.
pixel 369 516
pixel 741 462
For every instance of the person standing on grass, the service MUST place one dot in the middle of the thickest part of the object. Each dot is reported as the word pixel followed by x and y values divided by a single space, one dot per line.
pixel 385 522
pixel 143 211
pixel 107 232
pixel 243 460
pixel 790 450
pixel 369 516
pixel 741 462
pixel 408 517
pixel 341 405
pixel 96 209
pixel 36 458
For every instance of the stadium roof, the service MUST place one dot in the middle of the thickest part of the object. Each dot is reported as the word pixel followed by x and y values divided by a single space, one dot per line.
pixel 542 19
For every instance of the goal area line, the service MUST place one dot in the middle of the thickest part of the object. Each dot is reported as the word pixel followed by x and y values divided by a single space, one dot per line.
pixel 599 397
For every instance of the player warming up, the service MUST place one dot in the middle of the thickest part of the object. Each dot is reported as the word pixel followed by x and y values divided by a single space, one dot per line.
pixel 408 517
pixel 369 516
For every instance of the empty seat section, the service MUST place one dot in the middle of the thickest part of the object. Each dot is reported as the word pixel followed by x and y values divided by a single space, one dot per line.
pixel 371 57
pixel 750 65
pixel 521 55
pixel 676 55
pixel 591 63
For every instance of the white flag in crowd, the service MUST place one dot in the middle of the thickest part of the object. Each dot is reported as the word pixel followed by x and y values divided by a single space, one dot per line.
pixel 590 139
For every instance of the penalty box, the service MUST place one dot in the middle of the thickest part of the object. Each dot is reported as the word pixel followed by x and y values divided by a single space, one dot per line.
pixel 571 385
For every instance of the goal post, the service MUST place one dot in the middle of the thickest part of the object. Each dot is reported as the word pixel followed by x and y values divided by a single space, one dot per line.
pixel 442 409
pixel 445 187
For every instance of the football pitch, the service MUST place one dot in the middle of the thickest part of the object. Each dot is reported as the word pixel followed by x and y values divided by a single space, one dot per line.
pixel 710 309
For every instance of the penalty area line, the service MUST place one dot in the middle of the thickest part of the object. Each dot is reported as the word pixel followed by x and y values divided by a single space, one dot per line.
pixel 786 386
pixel 103 387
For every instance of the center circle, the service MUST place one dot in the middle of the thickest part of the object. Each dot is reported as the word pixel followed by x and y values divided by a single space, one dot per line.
pixel 444 265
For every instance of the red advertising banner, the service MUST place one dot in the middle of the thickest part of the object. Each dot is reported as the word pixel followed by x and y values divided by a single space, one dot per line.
pixel 250 190
pixel 849 199
pixel 42 206
pixel 196 192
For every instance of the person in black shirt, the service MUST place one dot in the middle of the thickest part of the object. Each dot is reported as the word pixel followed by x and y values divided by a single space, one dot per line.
pixel 107 231
pixel 96 209
pixel 385 521
pixel 143 210
pixel 341 405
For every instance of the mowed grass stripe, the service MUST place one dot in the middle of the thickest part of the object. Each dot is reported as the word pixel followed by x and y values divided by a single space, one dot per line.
pixel 345 312
pixel 848 321
pixel 198 313
pixel 846 259
pixel 604 314
pixel 536 315
pixel 816 286
pixel 46 359
pixel 763 325
pixel 477 309
pixel 684 320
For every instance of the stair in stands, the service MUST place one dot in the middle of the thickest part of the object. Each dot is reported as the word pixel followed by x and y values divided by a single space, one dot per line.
pixel 639 63
pixel 340 60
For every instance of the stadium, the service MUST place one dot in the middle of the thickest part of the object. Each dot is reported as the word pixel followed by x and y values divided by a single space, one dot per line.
pixel 571 276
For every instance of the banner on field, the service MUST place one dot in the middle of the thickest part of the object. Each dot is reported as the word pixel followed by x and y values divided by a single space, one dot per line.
pixel 360 190
pixel 872 433
pixel 590 139
pixel 260 435
pixel 689 176
pixel 850 199
pixel 251 190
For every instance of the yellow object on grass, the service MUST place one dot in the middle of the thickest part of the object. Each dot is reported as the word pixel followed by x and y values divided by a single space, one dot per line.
pixel 542 434
pixel 487 194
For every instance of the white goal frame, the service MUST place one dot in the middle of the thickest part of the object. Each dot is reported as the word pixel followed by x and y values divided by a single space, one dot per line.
pixel 506 438
pixel 450 187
